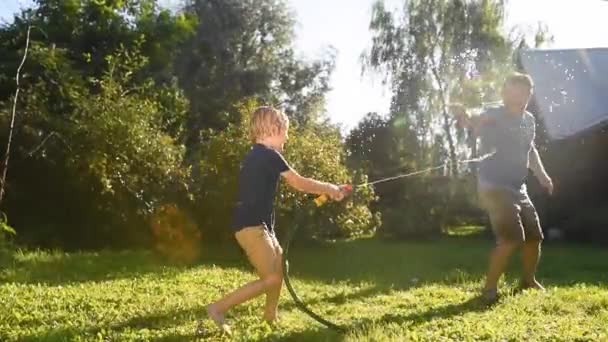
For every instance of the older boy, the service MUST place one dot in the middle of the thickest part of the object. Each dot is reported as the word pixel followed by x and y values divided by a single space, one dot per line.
pixel 509 130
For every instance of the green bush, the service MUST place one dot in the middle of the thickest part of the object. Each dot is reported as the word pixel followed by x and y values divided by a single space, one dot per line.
pixel 463 207
pixel 6 234
pixel 415 208
pixel 313 151
pixel 110 161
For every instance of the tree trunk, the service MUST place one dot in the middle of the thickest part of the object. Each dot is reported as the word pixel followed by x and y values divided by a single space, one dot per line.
pixel 7 153
pixel 446 124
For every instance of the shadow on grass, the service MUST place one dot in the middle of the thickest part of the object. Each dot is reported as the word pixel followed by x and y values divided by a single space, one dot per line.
pixel 474 304
pixel 449 260
pixel 58 268
pixel 177 338
pixel 325 334
pixel 310 335
pixel 168 319
pixel 390 264
pixel 386 265
pixel 155 321
pixel 341 298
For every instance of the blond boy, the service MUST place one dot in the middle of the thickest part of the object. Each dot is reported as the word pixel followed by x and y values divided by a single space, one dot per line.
pixel 253 221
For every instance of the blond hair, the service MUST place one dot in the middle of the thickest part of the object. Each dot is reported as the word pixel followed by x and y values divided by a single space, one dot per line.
pixel 267 121
pixel 520 79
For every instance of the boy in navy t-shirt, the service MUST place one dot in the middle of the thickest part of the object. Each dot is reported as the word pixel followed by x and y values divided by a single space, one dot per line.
pixel 253 221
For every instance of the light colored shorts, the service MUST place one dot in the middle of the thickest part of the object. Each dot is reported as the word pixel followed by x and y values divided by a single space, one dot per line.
pixel 512 215
pixel 262 249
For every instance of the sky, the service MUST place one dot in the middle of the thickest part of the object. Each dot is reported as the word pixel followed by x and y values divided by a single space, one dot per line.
pixel 343 24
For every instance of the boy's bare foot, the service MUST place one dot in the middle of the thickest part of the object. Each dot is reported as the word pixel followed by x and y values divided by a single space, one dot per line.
pixel 271 318
pixel 218 319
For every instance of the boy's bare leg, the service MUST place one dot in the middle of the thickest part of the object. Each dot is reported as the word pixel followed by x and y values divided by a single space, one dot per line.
pixel 243 294
pixel 532 247
pixel 250 290
pixel 530 257
pixel 498 261
pixel 273 294
pixel 261 253
pixel 504 213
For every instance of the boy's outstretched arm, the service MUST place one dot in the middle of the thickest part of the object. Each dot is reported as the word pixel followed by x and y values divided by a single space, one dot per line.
pixel 311 186
pixel 463 118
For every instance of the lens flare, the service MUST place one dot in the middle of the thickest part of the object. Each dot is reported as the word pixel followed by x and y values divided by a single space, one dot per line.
pixel 175 235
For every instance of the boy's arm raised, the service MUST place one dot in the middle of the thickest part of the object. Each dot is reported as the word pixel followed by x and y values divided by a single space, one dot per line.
pixel 465 119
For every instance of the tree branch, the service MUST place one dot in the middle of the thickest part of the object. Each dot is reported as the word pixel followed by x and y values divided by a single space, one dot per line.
pixel 446 119
pixel 12 124
pixel 52 134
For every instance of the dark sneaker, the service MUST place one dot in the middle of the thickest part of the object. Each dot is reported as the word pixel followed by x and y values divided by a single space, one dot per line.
pixel 535 285
pixel 490 296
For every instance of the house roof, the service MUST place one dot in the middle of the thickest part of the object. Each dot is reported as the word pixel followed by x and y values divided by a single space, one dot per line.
pixel 571 88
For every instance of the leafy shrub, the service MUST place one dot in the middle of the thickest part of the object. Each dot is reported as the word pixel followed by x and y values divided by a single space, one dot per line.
pixel 313 151
pixel 6 234
pixel 110 161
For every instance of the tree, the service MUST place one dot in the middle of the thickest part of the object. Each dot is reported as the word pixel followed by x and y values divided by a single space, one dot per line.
pixel 88 31
pixel 115 93
pixel 438 52
pixel 111 160
pixel 385 147
pixel 244 49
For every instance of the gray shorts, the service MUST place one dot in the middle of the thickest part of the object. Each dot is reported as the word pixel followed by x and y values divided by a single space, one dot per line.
pixel 512 215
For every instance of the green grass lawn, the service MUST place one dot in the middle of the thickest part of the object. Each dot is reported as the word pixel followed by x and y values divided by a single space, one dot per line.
pixel 381 291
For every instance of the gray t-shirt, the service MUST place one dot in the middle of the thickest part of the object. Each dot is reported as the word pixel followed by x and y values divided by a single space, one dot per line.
pixel 511 137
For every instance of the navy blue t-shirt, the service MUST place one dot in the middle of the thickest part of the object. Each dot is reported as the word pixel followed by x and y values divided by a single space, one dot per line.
pixel 258 182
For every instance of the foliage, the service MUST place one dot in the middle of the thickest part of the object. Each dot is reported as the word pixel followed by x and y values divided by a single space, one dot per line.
pixel 89 31
pixel 176 235
pixel 6 234
pixel 439 52
pixel 313 151
pixel 410 207
pixel 244 49
pixel 431 54
pixel 104 147
pixel 418 206
pixel 132 118
pixel 115 93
